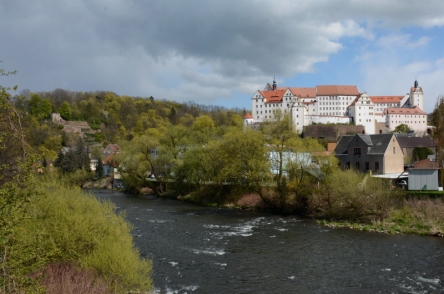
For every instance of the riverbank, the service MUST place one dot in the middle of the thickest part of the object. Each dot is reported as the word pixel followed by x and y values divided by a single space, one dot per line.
pixel 421 216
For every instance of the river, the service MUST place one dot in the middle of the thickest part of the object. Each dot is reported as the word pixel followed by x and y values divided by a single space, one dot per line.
pixel 199 249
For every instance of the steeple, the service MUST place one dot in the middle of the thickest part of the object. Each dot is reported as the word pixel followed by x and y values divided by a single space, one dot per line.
pixel 274 82
pixel 416 84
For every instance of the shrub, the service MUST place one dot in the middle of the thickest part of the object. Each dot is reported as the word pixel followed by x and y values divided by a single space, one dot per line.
pixel 350 195
pixel 66 225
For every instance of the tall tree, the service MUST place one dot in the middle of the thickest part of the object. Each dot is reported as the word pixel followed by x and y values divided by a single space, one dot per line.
pixel 438 122
pixel 40 108
pixel 65 111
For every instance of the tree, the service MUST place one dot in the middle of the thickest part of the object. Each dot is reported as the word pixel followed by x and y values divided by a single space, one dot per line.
pixel 65 111
pixel 40 108
pixel 402 129
pixel 292 161
pixel 438 122
pixel 421 153
pixel 99 168
pixel 203 129
pixel 137 158
pixel 16 191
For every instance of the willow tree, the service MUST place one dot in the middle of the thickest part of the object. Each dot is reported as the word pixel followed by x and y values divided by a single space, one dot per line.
pixel 296 162
pixel 137 159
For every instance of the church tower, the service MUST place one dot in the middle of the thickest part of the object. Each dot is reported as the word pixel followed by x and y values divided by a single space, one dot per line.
pixel 416 96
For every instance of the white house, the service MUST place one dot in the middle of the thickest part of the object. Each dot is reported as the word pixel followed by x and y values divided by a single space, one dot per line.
pixel 414 117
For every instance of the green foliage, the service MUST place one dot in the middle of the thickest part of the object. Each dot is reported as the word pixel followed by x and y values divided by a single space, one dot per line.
pixel 65 224
pixel 350 195
pixel 40 108
pixel 402 129
pixel 137 159
pixel 421 153
pixel 203 129
pixel 65 111
pixel 76 158
pixel 99 168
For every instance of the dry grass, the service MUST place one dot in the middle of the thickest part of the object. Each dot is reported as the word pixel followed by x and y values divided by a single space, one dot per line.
pixel 69 279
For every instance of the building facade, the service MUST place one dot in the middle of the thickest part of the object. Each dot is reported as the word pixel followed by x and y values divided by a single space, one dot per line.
pixel 380 153
pixel 336 104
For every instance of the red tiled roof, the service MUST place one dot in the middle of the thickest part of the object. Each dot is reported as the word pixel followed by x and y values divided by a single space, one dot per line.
pixel 414 110
pixel 334 90
pixel 247 116
pixel 426 164
pixel 108 159
pixel 386 99
pixel 273 95
pixel 304 92
pixel 356 100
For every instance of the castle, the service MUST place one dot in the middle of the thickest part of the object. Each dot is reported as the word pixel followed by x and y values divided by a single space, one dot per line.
pixel 339 104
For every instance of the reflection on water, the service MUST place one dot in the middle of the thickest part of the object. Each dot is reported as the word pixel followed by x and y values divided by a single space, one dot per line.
pixel 209 250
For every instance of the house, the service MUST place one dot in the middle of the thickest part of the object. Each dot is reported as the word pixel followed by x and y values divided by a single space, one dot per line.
pixel 111 149
pixel 415 118
pixel 331 133
pixel 289 158
pixel 379 153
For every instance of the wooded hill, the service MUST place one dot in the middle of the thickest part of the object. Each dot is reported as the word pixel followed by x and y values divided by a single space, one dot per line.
pixel 115 117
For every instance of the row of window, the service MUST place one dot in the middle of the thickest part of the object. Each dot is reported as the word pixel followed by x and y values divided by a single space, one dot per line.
pixel 336 97
pixel 333 103
pixel 407 122
pixel 367 165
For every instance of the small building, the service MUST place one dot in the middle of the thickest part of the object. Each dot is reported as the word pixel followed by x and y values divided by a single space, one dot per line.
pixel 111 149
pixel 380 153
pixel 424 176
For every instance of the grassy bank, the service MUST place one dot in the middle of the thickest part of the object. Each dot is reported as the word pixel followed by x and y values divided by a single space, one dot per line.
pixel 67 235
pixel 347 200
pixel 423 216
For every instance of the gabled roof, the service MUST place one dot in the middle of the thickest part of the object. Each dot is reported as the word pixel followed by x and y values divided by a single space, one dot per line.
pixel 247 116
pixel 412 142
pixel 334 90
pixel 386 99
pixel 273 95
pixel 414 111
pixel 378 143
pixel 304 92
pixel 341 148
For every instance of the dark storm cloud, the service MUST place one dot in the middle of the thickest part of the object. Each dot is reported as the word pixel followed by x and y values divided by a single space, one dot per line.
pixel 186 50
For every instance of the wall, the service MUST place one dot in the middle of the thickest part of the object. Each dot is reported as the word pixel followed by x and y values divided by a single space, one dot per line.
pixel 418 178
pixel 393 161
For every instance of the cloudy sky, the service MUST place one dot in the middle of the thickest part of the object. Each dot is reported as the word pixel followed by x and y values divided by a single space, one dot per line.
pixel 221 52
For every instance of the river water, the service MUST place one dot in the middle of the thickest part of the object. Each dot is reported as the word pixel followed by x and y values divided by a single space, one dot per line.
pixel 199 249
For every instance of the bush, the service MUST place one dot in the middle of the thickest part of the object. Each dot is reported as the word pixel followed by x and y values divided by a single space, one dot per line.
pixel 350 195
pixel 65 225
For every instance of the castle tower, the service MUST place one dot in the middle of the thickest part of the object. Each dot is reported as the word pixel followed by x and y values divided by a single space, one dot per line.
pixel 416 96
pixel 247 120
